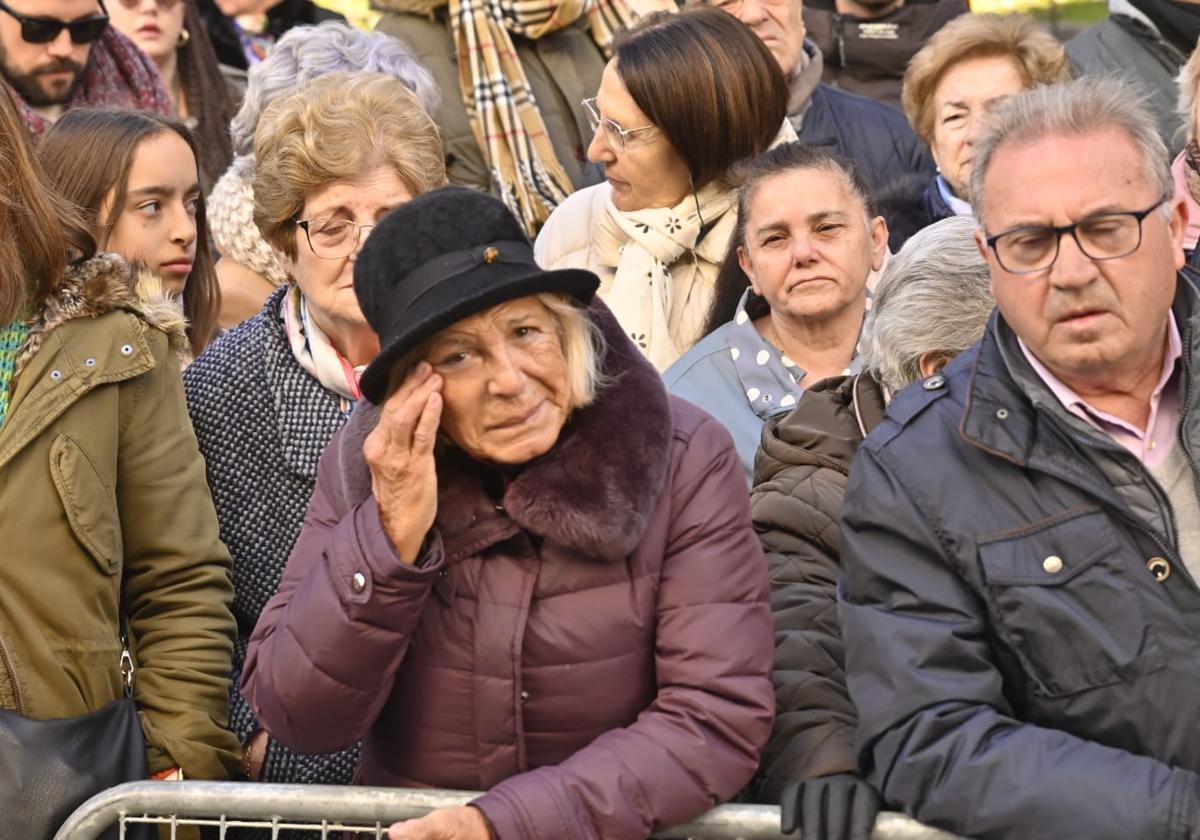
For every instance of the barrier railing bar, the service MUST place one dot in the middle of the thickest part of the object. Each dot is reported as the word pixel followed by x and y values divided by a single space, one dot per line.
pixel 225 803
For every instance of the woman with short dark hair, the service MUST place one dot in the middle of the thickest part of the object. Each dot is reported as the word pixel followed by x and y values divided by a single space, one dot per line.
pixel 667 132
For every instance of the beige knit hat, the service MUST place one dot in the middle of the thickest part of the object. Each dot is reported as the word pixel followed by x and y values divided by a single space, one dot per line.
pixel 231 219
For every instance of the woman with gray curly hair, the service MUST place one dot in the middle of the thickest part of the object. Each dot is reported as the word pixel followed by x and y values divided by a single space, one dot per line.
pixel 932 303
pixel 248 270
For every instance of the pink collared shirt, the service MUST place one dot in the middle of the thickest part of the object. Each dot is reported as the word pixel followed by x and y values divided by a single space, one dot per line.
pixel 1150 445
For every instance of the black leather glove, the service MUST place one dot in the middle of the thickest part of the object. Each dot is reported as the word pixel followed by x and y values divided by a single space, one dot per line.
pixel 830 808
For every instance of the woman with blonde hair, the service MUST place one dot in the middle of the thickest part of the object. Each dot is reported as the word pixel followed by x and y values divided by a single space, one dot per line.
pixel 332 160
pixel 967 68
pixel 1186 167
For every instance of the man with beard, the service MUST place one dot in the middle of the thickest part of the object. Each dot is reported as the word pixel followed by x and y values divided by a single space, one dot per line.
pixel 61 54
pixel 1021 534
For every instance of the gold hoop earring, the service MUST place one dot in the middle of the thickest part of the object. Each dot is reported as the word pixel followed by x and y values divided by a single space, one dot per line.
pixel 184 37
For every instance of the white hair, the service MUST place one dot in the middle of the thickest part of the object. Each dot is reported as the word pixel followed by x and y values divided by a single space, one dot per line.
pixel 1072 109
pixel 305 53
pixel 933 296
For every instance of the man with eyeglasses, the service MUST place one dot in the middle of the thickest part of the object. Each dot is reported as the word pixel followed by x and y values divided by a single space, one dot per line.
pixel 62 54
pixel 1022 534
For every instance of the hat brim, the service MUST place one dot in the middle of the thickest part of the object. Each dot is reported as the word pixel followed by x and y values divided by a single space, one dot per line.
pixel 469 294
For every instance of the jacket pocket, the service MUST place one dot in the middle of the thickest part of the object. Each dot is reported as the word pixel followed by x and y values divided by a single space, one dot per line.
pixel 1065 605
pixel 90 504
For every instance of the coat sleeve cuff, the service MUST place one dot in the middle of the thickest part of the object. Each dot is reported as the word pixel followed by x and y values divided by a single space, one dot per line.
pixel 524 808
pixel 363 558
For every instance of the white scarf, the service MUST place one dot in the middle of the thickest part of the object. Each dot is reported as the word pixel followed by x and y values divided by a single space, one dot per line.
pixel 645 296
pixel 652 304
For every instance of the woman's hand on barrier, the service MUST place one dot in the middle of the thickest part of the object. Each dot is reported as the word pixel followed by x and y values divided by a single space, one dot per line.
pixel 399 452
pixel 841 807
pixel 462 823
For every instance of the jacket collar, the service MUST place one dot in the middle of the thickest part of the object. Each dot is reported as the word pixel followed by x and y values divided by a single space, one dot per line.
pixel 825 429
pixel 593 493
pixel 56 366
pixel 1008 408
pixel 803 82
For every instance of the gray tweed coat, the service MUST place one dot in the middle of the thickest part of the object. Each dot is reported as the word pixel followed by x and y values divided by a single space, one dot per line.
pixel 262 422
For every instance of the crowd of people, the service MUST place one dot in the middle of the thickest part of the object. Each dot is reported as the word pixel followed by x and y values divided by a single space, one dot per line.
pixel 614 407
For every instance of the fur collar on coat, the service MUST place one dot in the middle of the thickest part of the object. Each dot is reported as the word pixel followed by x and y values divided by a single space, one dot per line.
pixel 105 283
pixel 593 493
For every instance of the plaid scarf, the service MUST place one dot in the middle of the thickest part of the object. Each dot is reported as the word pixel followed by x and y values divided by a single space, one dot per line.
pixel 500 104
pixel 118 77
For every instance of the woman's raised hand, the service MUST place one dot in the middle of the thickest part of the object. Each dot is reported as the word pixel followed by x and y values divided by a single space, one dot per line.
pixel 399 452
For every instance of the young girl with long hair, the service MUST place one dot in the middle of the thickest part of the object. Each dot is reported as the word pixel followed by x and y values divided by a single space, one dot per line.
pixel 135 178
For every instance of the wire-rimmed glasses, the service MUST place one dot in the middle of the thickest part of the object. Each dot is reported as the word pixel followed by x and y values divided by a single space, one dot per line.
pixel 1106 236
pixel 613 132
pixel 332 239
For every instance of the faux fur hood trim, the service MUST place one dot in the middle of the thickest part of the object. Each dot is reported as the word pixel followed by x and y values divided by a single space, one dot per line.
pixel 103 284
pixel 594 492
pixel 424 8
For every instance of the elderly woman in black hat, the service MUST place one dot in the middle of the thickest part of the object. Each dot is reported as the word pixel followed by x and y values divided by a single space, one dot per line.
pixel 525 569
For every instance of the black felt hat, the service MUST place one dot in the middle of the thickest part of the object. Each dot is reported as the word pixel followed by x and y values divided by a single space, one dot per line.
pixel 442 257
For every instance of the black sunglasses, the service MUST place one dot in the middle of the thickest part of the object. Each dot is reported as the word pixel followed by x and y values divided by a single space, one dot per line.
pixel 43 30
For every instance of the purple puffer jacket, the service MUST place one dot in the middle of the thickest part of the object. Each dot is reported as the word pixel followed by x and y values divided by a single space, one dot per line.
pixel 592 648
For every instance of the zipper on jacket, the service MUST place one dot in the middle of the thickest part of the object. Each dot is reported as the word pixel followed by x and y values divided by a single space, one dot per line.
pixel 12 677
pixel 839 39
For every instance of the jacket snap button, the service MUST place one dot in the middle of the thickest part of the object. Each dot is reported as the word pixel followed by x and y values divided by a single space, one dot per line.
pixel 56 375
pixel 524 696
pixel 934 382
pixel 359 582
pixel 89 362
pixel 1159 567
pixel 1053 564
pixel 126 350
pixel 1002 413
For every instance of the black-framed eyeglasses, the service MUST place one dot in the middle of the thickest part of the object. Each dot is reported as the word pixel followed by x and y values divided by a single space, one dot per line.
pixel 1106 236
pixel 332 239
pixel 43 30
pixel 613 132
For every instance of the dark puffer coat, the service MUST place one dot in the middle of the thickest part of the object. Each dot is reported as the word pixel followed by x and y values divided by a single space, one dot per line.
pixel 878 139
pixel 591 645
pixel 799 482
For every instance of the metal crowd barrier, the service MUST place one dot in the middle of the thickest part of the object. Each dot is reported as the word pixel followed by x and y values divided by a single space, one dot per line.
pixel 331 811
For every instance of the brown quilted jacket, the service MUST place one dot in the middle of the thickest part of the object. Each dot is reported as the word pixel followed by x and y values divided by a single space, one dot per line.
pixel 799 481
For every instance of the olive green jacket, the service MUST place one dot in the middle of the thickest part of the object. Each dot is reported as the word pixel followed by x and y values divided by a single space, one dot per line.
pixel 102 488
